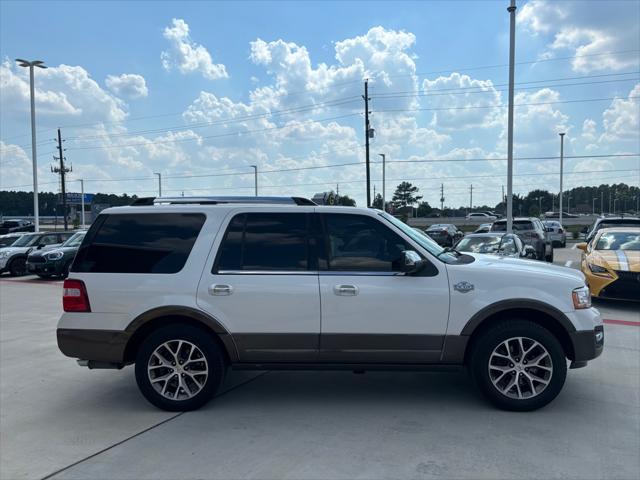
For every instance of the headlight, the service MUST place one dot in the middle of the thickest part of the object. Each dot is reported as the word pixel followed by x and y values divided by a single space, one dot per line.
pixel 581 298
pixel 54 255
pixel 597 269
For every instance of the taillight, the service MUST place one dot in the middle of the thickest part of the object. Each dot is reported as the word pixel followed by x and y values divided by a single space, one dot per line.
pixel 560 230
pixel 74 296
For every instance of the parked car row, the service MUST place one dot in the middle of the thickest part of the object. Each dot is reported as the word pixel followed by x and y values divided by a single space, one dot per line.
pixel 15 250
pixel 528 232
pixel 10 226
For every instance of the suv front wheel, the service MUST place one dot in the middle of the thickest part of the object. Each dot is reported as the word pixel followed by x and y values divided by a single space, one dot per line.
pixel 518 365
pixel 179 368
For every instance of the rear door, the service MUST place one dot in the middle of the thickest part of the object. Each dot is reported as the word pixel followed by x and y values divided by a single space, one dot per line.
pixel 371 312
pixel 263 286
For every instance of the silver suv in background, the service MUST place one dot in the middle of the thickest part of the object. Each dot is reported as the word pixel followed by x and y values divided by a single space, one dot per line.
pixel 557 233
pixel 532 232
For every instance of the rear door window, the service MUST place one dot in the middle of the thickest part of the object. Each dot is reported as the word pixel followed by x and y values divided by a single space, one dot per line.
pixel 139 243
pixel 264 241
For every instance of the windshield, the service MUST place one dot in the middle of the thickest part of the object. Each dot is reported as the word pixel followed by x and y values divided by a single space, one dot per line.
pixel 27 241
pixel 485 244
pixel 619 241
pixel 421 239
pixel 75 240
pixel 518 225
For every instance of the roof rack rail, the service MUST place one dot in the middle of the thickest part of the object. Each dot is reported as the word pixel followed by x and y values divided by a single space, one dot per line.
pixel 221 200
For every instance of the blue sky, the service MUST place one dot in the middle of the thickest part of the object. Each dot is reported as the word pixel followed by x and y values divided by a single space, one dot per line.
pixel 208 88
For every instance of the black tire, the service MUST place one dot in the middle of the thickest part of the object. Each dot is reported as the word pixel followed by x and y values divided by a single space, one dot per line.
pixel 208 346
pixel 44 275
pixel 564 244
pixel 65 270
pixel 483 347
pixel 549 258
pixel 18 267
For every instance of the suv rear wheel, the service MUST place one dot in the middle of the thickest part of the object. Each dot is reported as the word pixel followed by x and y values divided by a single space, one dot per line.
pixel 518 365
pixel 179 368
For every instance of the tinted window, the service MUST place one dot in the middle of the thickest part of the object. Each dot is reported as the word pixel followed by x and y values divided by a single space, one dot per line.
pixel 361 243
pixel 134 243
pixel 518 225
pixel 266 242
pixel 49 240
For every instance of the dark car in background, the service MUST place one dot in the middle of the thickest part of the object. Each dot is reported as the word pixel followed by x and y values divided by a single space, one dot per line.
pixel 609 222
pixel 445 234
pixel 532 232
pixel 503 244
pixel 11 226
pixel 55 262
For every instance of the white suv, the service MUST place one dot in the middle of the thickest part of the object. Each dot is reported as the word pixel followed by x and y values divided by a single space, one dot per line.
pixel 186 288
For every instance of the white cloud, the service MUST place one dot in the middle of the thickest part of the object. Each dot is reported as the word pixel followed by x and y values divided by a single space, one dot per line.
pixel 62 91
pixel 469 102
pixel 589 31
pixel 589 130
pixel 127 85
pixel 620 120
pixel 188 56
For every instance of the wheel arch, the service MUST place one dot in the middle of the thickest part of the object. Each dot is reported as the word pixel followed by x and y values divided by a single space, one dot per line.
pixel 535 311
pixel 156 318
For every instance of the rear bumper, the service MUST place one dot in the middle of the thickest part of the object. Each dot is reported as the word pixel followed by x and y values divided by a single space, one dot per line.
pixel 587 344
pixel 97 345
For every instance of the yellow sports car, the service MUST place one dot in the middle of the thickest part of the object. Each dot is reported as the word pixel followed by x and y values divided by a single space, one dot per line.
pixel 611 263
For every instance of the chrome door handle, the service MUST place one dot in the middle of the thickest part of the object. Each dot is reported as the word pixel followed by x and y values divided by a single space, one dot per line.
pixel 220 290
pixel 345 290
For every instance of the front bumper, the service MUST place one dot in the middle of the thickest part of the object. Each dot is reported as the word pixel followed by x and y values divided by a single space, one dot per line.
pixel 46 268
pixel 587 344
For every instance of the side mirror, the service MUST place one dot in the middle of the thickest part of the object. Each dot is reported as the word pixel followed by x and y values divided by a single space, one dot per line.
pixel 582 246
pixel 529 252
pixel 40 245
pixel 411 262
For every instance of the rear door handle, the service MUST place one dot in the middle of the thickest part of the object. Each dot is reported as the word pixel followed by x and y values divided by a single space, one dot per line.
pixel 220 290
pixel 345 290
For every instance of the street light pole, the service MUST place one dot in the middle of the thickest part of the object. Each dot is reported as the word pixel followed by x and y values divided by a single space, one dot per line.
pixel 255 178
pixel 561 171
pixel 34 156
pixel 159 183
pixel 384 205
pixel 593 206
pixel 82 199
pixel 512 54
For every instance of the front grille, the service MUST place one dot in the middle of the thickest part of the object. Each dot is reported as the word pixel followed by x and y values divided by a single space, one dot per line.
pixel 631 276
pixel 623 289
pixel 36 259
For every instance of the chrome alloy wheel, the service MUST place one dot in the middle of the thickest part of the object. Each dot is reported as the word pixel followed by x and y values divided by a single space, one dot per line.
pixel 177 370
pixel 520 368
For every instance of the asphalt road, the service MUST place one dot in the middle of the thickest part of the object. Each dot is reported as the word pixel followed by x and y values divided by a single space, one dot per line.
pixel 58 420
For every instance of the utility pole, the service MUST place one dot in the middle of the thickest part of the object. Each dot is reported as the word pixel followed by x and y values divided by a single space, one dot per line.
pixel 602 202
pixel 442 199
pixel 593 207
pixel 62 170
pixel 255 178
pixel 471 197
pixel 512 55
pixel 609 201
pixel 539 205
pixel 159 183
pixel 366 139
pixel 561 172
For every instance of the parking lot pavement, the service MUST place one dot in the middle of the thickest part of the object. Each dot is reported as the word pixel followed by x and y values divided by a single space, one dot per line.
pixel 58 417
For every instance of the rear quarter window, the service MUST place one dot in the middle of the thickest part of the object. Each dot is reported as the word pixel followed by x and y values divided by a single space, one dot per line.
pixel 139 243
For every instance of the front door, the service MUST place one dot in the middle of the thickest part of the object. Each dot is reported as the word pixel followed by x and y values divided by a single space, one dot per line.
pixel 371 312
pixel 263 286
